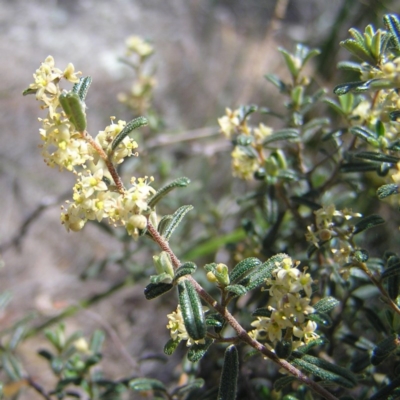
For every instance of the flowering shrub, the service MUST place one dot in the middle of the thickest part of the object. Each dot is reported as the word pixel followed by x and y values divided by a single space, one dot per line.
pixel 309 172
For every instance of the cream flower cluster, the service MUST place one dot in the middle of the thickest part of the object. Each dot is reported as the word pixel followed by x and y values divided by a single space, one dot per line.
pixel 289 304
pixel 62 145
pixel 177 328
pixel 95 195
pixel 330 225
pixel 245 160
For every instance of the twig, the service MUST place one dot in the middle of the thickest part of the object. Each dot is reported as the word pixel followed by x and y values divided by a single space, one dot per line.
pixel 241 332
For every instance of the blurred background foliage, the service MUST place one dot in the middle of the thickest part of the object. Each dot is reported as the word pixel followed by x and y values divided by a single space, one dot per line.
pixel 208 55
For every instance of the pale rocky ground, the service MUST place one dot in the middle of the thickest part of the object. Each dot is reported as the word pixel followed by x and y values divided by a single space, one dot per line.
pixel 199 57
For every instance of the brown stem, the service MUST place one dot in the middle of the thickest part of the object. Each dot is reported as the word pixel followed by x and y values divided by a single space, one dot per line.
pixel 372 278
pixel 110 166
pixel 241 332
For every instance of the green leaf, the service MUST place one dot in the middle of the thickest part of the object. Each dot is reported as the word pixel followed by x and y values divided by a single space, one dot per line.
pixel 367 223
pixel 245 111
pixel 46 354
pixel 321 319
pixel 326 304
pixel 345 88
pixel 177 217
pixel 74 109
pixel 229 376
pixel 359 50
pixel 283 134
pixel 238 290
pixel 365 134
pixel 384 349
pixel 153 290
pixel 294 68
pixel 129 127
pixel 192 310
pixel 163 224
pixel 163 277
pixel 177 183
pixel 283 348
pixel 310 53
pixel 379 157
pixel 144 384
pixel 215 320
pixel 313 343
pixel 82 87
pixel 187 268
pixel 243 268
pixel 387 190
pixel 257 278
pixel 335 106
pixel 326 371
pixel 198 350
pixel 171 346
pixel 243 140
pixel 358 167
pixel 11 366
pixel 392 24
pixel 262 312
pixel 277 82
pixel 350 66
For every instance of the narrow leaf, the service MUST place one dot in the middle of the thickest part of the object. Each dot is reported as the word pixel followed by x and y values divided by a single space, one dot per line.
pixel 384 349
pixel 129 127
pixel 347 87
pixel 350 66
pixel 358 167
pixel 74 110
pixel 326 304
pixel 380 157
pixel 284 134
pixel 229 376
pixel 321 319
pixel 277 82
pixel 153 290
pixel 198 350
pixel 367 223
pixel 257 278
pixel 238 290
pixel 171 346
pixel 327 371
pixel 144 384
pixel 177 183
pixel 387 190
pixel 192 310
pixel 163 224
pixel 177 217
pixel 392 24
pixel 243 268
pixel 186 268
